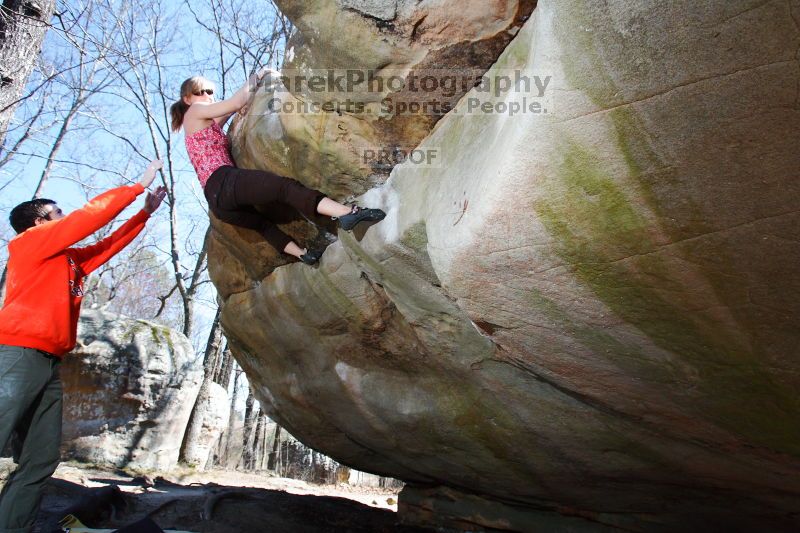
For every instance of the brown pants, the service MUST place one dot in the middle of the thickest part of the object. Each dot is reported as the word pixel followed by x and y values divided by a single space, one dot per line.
pixel 233 193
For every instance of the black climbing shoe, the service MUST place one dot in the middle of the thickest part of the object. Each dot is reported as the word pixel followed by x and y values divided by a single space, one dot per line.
pixel 359 214
pixel 311 257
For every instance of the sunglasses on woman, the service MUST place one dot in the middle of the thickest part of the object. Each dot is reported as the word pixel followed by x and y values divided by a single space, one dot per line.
pixel 201 91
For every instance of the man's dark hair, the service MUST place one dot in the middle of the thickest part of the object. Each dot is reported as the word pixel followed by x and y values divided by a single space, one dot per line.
pixel 25 214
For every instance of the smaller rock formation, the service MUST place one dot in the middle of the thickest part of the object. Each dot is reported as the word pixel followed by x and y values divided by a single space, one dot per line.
pixel 129 388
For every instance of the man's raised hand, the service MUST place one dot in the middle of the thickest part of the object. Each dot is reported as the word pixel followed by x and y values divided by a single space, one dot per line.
pixel 154 199
pixel 150 172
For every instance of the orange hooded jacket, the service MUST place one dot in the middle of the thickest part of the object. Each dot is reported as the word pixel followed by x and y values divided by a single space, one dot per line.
pixel 44 286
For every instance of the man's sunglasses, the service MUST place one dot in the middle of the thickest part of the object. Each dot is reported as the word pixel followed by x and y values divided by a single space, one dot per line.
pixel 201 91
pixel 51 211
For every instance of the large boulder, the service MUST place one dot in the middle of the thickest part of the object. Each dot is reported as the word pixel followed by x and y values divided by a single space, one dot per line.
pixel 589 315
pixel 129 388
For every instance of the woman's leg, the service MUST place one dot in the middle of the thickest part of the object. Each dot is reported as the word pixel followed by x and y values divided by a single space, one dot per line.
pixel 220 191
pixel 332 208
pixel 260 187
pixel 243 189
pixel 221 202
pixel 251 219
pixel 293 249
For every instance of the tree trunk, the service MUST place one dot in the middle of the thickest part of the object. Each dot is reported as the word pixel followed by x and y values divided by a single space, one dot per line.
pixel 219 366
pixel 227 368
pixel 272 463
pixel 199 412
pixel 255 457
pixel 248 429
pixel 262 460
pixel 23 24
pixel 232 418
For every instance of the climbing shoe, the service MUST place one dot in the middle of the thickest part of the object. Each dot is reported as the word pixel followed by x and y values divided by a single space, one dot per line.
pixel 359 214
pixel 311 257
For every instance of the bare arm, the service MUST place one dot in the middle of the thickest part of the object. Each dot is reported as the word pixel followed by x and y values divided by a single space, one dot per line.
pixel 202 111
pixel 221 111
pixel 222 120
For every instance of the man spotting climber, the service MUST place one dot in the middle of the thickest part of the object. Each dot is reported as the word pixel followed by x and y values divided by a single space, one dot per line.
pixel 38 325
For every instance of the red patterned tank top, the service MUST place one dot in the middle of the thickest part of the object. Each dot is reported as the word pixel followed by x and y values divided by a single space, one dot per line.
pixel 208 150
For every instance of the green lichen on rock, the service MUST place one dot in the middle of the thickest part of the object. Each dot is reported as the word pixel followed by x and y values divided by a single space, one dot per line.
pixel 154 331
pixel 416 237
pixel 581 58
pixel 607 240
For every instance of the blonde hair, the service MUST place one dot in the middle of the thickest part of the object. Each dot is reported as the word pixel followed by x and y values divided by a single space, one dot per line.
pixel 179 108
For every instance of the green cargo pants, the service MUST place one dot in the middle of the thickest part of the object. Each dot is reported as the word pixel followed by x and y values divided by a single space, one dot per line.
pixel 30 404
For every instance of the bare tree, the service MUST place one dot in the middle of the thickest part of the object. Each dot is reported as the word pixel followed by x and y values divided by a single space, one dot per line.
pixel 92 43
pixel 145 37
pixel 247 432
pixel 273 463
pixel 247 52
pixel 222 374
pixel 23 24
pixel 29 127
pixel 258 438
pixel 200 411
pixel 248 35
pixel 225 444
pixel 130 284
pixel 89 47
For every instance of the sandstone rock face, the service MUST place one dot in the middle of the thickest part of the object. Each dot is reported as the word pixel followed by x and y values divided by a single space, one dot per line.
pixel 361 51
pixel 590 313
pixel 393 48
pixel 129 388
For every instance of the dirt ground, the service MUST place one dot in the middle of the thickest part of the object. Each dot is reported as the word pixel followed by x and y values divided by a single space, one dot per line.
pixel 214 502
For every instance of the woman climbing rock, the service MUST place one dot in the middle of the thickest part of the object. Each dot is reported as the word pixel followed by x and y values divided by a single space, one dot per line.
pixel 232 193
